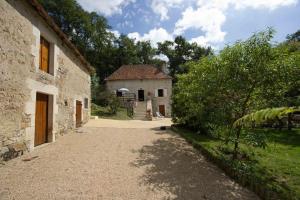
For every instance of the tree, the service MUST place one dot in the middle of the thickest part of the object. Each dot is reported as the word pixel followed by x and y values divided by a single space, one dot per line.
pixel 145 52
pixel 181 51
pixel 87 30
pixel 295 37
pixel 247 76
pixel 264 115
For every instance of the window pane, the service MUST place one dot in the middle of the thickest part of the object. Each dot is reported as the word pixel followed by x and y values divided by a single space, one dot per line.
pixel 160 92
pixel 86 103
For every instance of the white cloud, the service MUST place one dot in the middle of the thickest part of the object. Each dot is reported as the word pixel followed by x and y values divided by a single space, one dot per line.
pixel 106 7
pixel 209 16
pixel 115 32
pixel 155 35
pixel 207 19
pixel 161 7
pixel 161 57
pixel 262 4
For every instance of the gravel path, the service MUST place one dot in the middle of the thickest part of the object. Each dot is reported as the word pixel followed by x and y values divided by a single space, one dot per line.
pixel 110 159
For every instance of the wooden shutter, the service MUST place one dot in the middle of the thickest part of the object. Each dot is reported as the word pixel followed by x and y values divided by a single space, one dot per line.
pixel 165 93
pixel 156 92
pixel 44 55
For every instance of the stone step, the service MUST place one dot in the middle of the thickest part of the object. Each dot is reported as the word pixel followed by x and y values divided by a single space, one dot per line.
pixel 139 114
pixel 137 111
pixel 139 118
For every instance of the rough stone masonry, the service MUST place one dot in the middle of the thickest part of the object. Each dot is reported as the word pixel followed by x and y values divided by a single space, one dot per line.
pixel 67 81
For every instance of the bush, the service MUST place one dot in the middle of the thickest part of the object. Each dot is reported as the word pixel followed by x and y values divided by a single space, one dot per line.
pixel 219 89
pixel 113 103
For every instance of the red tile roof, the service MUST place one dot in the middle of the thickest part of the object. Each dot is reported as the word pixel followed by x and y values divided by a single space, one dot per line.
pixel 133 72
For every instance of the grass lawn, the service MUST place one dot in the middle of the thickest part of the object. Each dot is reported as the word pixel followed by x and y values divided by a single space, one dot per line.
pixel 277 167
pixel 103 112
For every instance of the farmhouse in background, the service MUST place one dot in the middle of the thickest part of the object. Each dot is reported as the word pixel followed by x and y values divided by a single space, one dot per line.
pixel 44 80
pixel 151 88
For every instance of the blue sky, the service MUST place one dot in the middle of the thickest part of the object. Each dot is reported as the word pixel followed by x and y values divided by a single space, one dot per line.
pixel 207 22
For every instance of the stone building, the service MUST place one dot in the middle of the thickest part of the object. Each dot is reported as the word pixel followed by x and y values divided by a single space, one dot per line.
pixel 44 80
pixel 151 87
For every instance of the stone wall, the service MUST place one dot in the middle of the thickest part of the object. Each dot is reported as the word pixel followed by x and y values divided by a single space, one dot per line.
pixel 20 77
pixel 147 86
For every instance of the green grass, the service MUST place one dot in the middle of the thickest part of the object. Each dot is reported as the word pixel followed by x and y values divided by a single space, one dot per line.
pixel 103 112
pixel 282 157
pixel 277 167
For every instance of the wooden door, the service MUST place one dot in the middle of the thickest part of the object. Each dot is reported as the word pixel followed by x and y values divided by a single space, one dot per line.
pixel 141 95
pixel 162 110
pixel 78 113
pixel 41 119
pixel 44 55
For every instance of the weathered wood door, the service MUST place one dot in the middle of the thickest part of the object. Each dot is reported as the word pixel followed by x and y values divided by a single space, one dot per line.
pixel 41 119
pixel 78 113
pixel 162 110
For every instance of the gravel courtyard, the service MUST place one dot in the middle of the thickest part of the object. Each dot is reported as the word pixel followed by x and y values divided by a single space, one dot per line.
pixel 118 160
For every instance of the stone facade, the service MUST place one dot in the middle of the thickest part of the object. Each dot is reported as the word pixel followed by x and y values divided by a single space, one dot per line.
pixel 68 79
pixel 150 87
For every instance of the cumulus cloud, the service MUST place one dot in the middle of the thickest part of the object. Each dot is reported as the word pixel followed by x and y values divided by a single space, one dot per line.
pixel 106 7
pixel 161 57
pixel 155 35
pixel 262 4
pixel 115 32
pixel 207 19
pixel 209 16
pixel 161 7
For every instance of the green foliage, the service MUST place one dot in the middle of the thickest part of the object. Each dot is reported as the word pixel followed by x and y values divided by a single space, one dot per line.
pixel 90 33
pixel 113 103
pixel 255 139
pixel 104 112
pixel 265 115
pixel 274 168
pixel 247 76
pixel 294 37
pixel 181 51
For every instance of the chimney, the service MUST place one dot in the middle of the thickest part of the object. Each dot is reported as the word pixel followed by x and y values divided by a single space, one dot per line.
pixel 165 67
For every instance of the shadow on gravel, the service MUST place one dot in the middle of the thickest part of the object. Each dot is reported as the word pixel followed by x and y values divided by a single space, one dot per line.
pixel 175 167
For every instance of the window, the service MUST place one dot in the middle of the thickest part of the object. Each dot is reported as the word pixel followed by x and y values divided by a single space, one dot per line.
pixel 160 92
pixel 86 103
pixel 44 55
pixel 119 93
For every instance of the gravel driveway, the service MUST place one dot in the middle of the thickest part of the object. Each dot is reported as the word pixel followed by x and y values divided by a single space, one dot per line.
pixel 119 160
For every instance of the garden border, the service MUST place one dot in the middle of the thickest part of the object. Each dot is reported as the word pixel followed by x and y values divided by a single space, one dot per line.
pixel 252 183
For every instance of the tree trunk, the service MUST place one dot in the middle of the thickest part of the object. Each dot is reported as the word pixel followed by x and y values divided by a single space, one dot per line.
pixel 236 143
pixel 289 122
pixel 239 129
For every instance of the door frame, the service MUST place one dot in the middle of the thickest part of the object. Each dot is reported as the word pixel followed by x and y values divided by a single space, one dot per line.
pixel 141 99
pixel 164 106
pixel 81 113
pixel 49 118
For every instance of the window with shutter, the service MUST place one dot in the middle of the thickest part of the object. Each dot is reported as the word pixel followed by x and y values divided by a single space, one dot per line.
pixel 160 92
pixel 44 55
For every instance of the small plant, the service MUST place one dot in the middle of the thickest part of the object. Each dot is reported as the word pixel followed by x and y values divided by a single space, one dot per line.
pixel 256 139
pixel 113 104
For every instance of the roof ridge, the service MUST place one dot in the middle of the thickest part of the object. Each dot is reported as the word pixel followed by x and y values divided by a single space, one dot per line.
pixel 138 72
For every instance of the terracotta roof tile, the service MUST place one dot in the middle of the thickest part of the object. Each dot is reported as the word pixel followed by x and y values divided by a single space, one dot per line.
pixel 133 72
